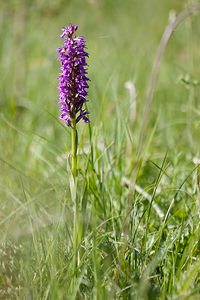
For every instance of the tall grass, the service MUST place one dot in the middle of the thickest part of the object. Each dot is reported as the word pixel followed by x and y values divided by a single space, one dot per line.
pixel 155 255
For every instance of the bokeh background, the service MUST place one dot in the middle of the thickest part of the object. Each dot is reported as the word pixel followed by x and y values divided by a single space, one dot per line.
pixel 122 37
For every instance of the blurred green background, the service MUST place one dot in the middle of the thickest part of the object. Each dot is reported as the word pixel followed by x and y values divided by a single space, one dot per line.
pixel 122 37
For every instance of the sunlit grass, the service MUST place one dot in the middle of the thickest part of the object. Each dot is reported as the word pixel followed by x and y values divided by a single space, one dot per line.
pixel 161 257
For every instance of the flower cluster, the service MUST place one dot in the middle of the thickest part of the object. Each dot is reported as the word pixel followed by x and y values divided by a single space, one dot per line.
pixel 73 80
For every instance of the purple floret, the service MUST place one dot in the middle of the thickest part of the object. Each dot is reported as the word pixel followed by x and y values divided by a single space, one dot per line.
pixel 73 79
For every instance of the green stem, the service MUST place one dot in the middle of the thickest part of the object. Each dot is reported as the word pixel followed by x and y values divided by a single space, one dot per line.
pixel 74 148
pixel 74 168
pixel 76 239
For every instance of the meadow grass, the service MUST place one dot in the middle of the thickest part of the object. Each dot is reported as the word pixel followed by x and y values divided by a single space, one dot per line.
pixel 156 255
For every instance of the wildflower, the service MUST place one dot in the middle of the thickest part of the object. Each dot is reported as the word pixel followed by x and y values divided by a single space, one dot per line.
pixel 73 79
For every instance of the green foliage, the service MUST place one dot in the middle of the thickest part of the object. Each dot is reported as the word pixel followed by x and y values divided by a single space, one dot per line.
pixel 161 258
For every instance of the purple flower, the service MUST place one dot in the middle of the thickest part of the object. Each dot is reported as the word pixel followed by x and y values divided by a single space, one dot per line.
pixel 73 79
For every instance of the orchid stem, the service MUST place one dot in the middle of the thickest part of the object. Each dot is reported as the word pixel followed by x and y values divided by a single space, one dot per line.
pixel 74 168
pixel 74 148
